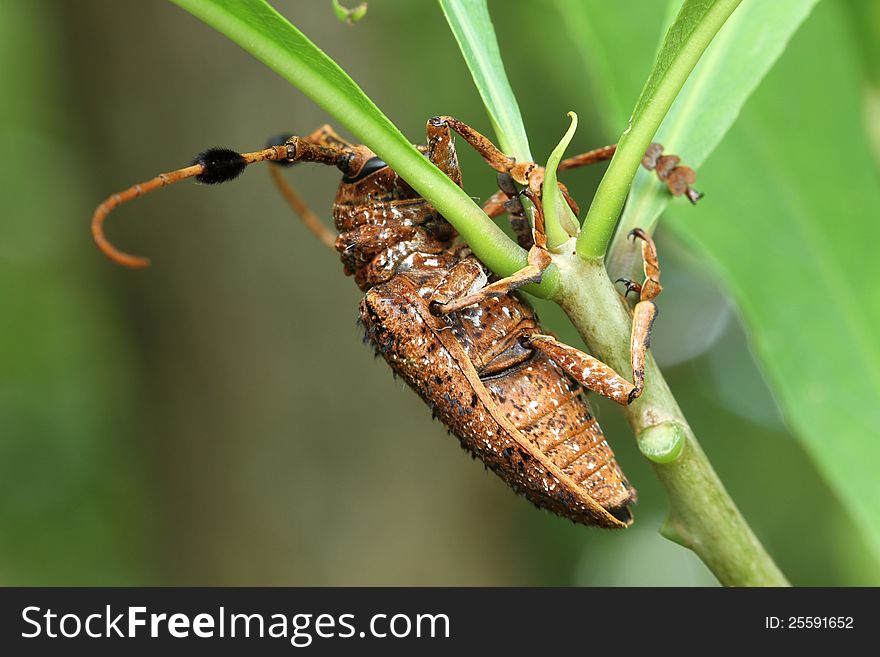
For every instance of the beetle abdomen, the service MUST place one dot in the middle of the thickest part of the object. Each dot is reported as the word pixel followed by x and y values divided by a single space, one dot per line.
pixel 551 411
pixel 529 423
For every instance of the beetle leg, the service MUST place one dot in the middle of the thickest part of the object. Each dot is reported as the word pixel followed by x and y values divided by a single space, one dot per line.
pixel 677 178
pixel 510 195
pixel 499 203
pixel 464 276
pixel 631 286
pixel 644 315
pixel 593 373
pixel 324 137
pixel 650 288
pixel 489 151
pixel 509 170
pixel 496 205
pixel 590 372
pixel 590 157
pixel 645 312
pixel 327 136
pixel 441 150
pixel 538 261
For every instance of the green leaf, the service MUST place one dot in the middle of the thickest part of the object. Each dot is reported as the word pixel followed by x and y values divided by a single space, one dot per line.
pixel 615 69
pixel 788 223
pixel 472 27
pixel 688 36
pixel 864 16
pixel 262 31
pixel 734 64
pixel 791 228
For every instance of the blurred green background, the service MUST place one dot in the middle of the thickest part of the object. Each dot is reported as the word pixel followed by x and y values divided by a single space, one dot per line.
pixel 215 419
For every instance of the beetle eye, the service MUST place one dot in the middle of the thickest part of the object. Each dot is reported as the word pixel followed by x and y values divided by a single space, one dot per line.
pixel 371 166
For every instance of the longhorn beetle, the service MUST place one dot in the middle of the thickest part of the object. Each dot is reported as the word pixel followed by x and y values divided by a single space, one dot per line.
pixel 460 337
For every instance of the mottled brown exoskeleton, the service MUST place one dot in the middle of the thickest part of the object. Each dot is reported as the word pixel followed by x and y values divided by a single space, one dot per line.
pixel 461 338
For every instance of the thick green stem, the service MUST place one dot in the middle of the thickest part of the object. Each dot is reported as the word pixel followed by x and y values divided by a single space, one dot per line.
pixel 702 515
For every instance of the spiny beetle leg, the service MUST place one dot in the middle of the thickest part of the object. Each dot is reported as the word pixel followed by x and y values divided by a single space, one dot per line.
pixel 441 150
pixel 538 261
pixel 645 312
pixel 528 174
pixel 677 178
pixel 496 205
pixel 651 287
pixel 590 157
pixel 631 286
pixel 590 372
pixel 503 164
pixel 644 315
pixel 595 375
pixel 507 200
pixel 499 203
pixel 483 145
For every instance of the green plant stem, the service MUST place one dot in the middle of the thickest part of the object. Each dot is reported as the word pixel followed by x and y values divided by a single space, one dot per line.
pixel 682 49
pixel 702 515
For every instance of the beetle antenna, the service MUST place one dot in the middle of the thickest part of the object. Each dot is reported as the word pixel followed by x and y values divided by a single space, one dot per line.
pixel 294 200
pixel 215 165
pixel 303 211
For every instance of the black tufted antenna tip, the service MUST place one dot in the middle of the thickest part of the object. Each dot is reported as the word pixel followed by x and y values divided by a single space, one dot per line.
pixel 221 165
pixel 279 140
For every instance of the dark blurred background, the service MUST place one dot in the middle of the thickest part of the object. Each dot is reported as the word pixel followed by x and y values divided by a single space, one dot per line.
pixel 215 419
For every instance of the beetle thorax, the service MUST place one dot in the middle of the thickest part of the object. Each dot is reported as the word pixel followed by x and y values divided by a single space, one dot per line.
pixel 386 228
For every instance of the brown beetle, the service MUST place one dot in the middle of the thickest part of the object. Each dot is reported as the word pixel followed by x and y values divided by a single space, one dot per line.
pixel 461 338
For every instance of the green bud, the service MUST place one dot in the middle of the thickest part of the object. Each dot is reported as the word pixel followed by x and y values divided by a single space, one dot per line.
pixel 358 13
pixel 662 443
